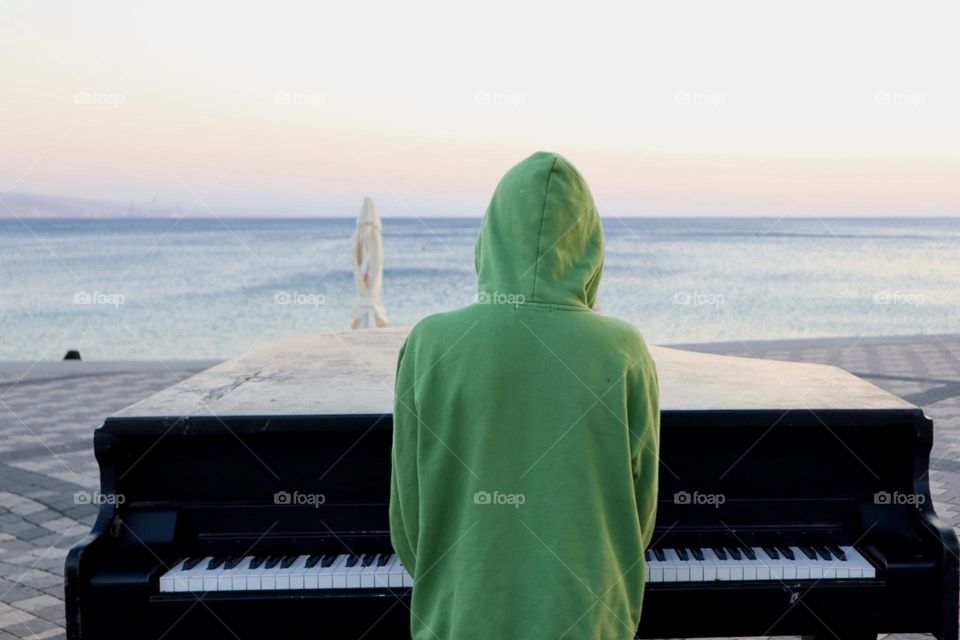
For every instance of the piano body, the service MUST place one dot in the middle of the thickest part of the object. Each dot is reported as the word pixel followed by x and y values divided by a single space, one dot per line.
pixel 251 501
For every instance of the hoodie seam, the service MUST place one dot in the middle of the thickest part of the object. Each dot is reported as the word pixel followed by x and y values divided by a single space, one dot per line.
pixel 543 215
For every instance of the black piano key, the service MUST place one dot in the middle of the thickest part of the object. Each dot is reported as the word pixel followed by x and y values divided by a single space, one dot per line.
pixel 823 552
pixel 288 561
pixel 647 555
pixel 787 553
pixel 660 555
pixel 719 552
pixel 682 554
pixel 367 559
pixel 837 552
pixel 747 551
pixel 257 562
pixel 216 562
pixel 313 560
pixel 352 560
pixel 809 552
pixel 272 562
pixel 328 560
pixel 697 554
pixel 772 552
pixel 734 553
pixel 233 562
pixel 383 559
pixel 190 563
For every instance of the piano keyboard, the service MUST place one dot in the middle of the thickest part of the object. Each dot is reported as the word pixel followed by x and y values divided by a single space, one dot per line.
pixel 284 573
pixel 384 570
pixel 827 562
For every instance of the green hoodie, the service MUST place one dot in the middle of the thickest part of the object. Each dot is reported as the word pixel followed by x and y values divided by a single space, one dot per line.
pixel 526 431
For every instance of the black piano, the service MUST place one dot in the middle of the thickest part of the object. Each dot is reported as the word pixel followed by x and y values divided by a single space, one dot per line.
pixel 250 501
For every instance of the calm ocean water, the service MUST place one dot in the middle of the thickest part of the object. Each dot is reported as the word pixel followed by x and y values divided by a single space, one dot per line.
pixel 148 289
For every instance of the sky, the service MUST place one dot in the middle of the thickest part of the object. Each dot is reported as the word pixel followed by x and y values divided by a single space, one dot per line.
pixel 768 108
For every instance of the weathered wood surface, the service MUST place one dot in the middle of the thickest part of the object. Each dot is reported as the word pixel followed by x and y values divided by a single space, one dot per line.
pixel 352 372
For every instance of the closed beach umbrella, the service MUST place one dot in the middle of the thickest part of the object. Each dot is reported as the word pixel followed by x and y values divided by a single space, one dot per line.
pixel 368 311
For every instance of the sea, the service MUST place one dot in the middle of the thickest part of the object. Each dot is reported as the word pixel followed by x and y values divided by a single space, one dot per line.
pixel 164 289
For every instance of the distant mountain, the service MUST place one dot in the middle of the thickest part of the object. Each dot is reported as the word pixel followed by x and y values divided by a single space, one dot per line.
pixel 29 205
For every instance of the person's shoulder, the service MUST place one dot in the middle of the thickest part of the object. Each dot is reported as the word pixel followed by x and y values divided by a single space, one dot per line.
pixel 625 337
pixel 626 333
pixel 437 327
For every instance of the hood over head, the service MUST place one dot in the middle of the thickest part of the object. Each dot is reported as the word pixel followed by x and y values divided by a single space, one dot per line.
pixel 541 237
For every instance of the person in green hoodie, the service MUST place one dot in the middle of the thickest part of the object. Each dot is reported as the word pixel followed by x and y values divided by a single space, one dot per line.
pixel 526 434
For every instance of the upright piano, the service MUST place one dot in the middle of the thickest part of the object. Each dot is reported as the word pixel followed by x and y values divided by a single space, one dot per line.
pixel 250 501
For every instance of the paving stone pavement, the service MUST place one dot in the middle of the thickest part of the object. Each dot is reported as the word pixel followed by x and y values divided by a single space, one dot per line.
pixel 48 413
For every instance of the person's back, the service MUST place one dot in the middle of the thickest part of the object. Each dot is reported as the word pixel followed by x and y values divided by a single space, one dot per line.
pixel 526 434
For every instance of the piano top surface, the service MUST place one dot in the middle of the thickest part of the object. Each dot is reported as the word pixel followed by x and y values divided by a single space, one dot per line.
pixel 352 373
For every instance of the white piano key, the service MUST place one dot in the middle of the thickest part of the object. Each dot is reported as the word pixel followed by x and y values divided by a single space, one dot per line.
pixel 367 573
pixel 287 577
pixel 680 568
pixel 225 578
pixel 382 576
pixel 195 576
pixel 736 567
pixel 255 578
pixel 379 576
pixel 238 578
pixel 749 566
pixel 789 566
pixel 311 575
pixel 396 574
pixel 860 567
pixel 669 565
pixel 354 572
pixel 802 563
pixel 724 567
pixel 654 569
pixel 326 574
pixel 696 567
pixel 709 564
pixel 298 573
pixel 268 576
pixel 340 573
pixel 210 577
pixel 168 579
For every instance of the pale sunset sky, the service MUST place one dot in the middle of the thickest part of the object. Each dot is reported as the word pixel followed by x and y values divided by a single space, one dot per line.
pixel 796 108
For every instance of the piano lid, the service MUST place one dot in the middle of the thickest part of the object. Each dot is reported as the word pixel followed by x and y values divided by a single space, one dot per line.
pixel 352 373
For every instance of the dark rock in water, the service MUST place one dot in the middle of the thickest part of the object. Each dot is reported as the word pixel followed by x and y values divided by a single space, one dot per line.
pixel 73 354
